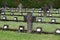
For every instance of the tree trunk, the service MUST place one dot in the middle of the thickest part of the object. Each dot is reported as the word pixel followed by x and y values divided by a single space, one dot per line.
pixel 29 22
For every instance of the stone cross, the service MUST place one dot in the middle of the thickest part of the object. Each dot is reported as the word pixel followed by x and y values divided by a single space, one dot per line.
pixel 20 8
pixel 45 9
pixel 51 7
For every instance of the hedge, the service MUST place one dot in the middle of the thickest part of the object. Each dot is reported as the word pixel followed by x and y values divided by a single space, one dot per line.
pixel 31 3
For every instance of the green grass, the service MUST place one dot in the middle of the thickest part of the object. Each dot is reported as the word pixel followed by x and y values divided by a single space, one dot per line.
pixel 7 35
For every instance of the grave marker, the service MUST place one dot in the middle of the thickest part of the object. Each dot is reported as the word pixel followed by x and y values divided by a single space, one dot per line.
pixel 5 27
pixel 53 20
pixel 39 20
pixel 38 29
pixel 15 19
pixel 11 13
pixel 4 18
pixel 49 15
pixel 57 31
pixel 21 28
pixel 20 9
pixel 45 9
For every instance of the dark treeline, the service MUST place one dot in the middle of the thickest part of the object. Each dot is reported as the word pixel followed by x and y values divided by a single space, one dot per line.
pixel 30 3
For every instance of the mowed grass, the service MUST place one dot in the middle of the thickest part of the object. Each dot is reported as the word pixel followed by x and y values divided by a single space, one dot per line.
pixel 9 35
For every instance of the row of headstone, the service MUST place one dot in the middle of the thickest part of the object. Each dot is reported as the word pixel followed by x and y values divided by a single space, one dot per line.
pixel 22 29
pixel 5 18
pixel 52 20
pixel 40 14
pixel 32 10
pixel 11 13
pixel 39 19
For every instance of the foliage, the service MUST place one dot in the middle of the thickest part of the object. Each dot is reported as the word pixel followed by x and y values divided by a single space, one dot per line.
pixel 30 3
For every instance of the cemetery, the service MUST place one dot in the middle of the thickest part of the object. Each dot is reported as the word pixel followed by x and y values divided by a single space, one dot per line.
pixel 19 23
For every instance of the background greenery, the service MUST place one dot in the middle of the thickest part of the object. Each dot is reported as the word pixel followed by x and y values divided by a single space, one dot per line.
pixel 30 3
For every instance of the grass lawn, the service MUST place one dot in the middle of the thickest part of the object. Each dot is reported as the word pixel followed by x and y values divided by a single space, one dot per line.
pixel 9 35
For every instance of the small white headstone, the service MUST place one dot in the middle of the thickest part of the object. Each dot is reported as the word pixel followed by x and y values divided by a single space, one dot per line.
pixel 39 14
pixel 50 15
pixel 57 11
pixel 57 31
pixel 20 14
pixel 11 13
pixel 53 20
pixel 15 18
pixel 48 11
pixel 32 11
pixel 5 27
pixel 39 20
pixel 4 18
pixel 38 30
pixel 3 13
pixel 21 28
pixel 39 11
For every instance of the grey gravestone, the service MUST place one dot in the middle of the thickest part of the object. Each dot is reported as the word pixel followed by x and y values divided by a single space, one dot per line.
pixel 20 8
pixel 15 19
pixel 9 10
pixel 49 15
pixel 39 12
pixel 2 13
pixel 4 18
pixel 39 19
pixel 45 9
pixel 51 7
pixel 11 13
